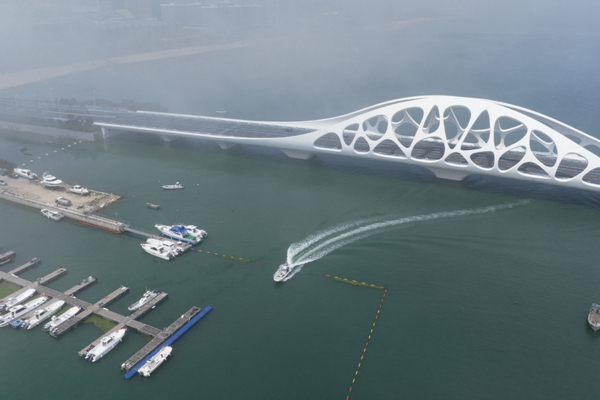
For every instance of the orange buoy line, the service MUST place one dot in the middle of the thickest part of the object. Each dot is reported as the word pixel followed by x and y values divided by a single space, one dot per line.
pixel 238 259
pixel 362 356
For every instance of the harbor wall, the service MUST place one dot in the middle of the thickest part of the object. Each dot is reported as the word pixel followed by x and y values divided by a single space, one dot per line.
pixel 13 127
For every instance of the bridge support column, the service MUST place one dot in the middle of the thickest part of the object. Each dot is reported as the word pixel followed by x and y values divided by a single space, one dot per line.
pixel 106 133
pixel 298 154
pixel 226 145
pixel 450 174
pixel 168 138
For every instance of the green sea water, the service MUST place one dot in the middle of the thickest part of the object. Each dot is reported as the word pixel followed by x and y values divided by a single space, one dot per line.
pixel 489 302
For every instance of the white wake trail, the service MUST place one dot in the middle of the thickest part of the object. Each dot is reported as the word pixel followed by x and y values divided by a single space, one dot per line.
pixel 322 243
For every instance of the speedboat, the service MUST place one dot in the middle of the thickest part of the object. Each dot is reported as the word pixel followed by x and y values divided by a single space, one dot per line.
pixel 155 361
pixel 178 233
pixel 55 215
pixel 106 344
pixel 177 185
pixel 64 317
pixel 18 311
pixel 282 272
pixel 25 173
pixel 172 246
pixel 194 231
pixel 159 251
pixel 149 295
pixel 79 190
pixel 50 181
pixel 13 301
pixel 40 316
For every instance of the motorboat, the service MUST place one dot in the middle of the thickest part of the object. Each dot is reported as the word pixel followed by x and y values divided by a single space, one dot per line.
pixel 149 295
pixel 64 317
pixel 178 233
pixel 55 215
pixel 153 206
pixel 282 272
pixel 194 231
pixel 169 244
pixel 177 185
pixel 25 173
pixel 155 361
pixel 13 301
pixel 50 181
pixel 106 344
pixel 79 190
pixel 43 314
pixel 159 251
pixel 18 311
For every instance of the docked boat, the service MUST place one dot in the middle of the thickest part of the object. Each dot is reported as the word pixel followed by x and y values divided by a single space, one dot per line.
pixel 50 181
pixel 594 317
pixel 282 272
pixel 16 312
pixel 177 185
pixel 194 231
pixel 154 362
pixel 13 301
pixel 43 314
pixel 55 215
pixel 153 206
pixel 159 251
pixel 149 295
pixel 64 317
pixel 106 344
pixel 7 257
pixel 178 233
pixel 25 173
pixel 79 190
pixel 173 247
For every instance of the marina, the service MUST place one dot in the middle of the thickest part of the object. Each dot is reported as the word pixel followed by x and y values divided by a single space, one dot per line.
pixel 160 336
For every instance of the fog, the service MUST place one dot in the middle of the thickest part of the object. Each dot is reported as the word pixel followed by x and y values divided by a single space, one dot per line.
pixel 283 59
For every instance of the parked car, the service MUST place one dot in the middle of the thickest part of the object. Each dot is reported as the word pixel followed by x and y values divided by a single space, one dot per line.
pixel 3 171
pixel 13 175
pixel 2 183
pixel 62 201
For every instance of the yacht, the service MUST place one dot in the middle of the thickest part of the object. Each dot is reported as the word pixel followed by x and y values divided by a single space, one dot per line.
pixel 79 190
pixel 107 343
pixel 169 244
pixel 18 311
pixel 178 233
pixel 177 185
pixel 13 301
pixel 194 231
pixel 159 251
pixel 149 295
pixel 50 181
pixel 41 315
pixel 282 272
pixel 155 361
pixel 25 173
pixel 55 215
pixel 56 321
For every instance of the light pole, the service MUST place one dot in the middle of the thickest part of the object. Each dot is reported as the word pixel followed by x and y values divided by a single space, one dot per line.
pixel 94 92
pixel 58 105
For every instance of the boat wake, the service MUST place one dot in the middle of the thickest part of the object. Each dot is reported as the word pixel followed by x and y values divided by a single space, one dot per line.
pixel 320 244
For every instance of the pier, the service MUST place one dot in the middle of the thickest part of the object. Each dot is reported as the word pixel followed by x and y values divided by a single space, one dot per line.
pixel 161 337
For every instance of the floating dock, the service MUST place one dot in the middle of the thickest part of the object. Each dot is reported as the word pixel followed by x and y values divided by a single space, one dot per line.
pixel 161 337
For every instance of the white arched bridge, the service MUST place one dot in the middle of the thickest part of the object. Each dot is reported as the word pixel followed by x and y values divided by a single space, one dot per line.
pixel 452 136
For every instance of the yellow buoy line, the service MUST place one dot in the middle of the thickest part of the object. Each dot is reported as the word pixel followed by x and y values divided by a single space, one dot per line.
pixel 238 259
pixel 352 281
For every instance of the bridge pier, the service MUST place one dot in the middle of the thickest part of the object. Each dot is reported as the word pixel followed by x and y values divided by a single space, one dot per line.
pixel 226 145
pixel 298 154
pixel 449 174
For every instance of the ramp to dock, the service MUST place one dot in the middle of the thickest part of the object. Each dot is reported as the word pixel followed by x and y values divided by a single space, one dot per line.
pixel 175 331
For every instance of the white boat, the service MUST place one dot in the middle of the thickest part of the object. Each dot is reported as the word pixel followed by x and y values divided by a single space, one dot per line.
pixel 64 317
pixel 282 272
pixel 194 231
pixel 25 173
pixel 159 251
pixel 18 311
pixel 178 233
pixel 155 362
pixel 79 190
pixel 50 181
pixel 55 215
pixel 13 301
pixel 170 245
pixel 40 316
pixel 106 344
pixel 149 295
pixel 177 185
